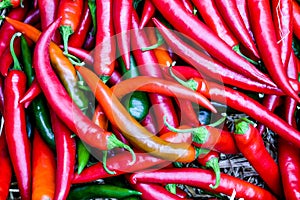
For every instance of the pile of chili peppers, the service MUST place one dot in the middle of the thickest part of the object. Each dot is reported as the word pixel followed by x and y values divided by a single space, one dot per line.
pixel 105 98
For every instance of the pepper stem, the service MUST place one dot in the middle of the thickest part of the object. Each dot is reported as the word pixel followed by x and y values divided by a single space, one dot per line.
pixel 242 125
pixel 213 163
pixel 65 32
pixel 17 65
pixel 159 42
pixel 236 48
pixel 5 4
pixel 191 83
pixel 73 59
pixel 104 162
pixel 171 187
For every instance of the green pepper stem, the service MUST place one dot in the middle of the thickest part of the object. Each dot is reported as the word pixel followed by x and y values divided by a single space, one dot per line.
pixel 17 65
pixel 236 48
pixel 73 59
pixel 105 78
pixel 65 32
pixel 242 125
pixel 191 83
pixel 104 162
pixel 92 7
pixel 5 4
pixel 159 42
pixel 171 187
pixel 214 164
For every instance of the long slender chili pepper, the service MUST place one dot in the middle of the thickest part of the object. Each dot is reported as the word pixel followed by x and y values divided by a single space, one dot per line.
pixel 83 156
pixel 122 14
pixel 283 22
pixel 31 93
pixel 233 19
pixel 43 169
pixel 1 95
pixel 5 169
pixel 243 10
pixel 203 178
pixel 147 13
pixel 213 19
pixel 66 153
pixel 296 19
pixel 38 107
pixel 15 126
pixel 264 33
pixel 186 22
pixel 10 3
pixel 149 122
pixel 251 144
pixel 189 6
pixel 70 114
pixel 132 130
pixel 105 47
pixel 32 17
pixel 71 11
pixel 78 37
pixel 208 66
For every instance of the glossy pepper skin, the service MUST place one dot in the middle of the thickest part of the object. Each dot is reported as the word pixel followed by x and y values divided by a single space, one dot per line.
pixel 202 178
pixel 296 18
pixel 147 13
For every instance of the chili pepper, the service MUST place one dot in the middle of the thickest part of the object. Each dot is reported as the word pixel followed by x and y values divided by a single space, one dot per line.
pixel 147 13
pixel 82 55
pixel 210 159
pixel 7 30
pixel 90 40
pixel 131 129
pixel 210 67
pixel 48 9
pixel 163 104
pixel 122 12
pixel 105 49
pixel 15 126
pixel 78 37
pixel 6 168
pixel 38 107
pixel 161 86
pixel 43 169
pixel 71 11
pixel 283 22
pixel 149 122
pixel 92 8
pixel 115 78
pixel 264 33
pixel 233 19
pixel 83 156
pixel 11 3
pixel 100 190
pixel 99 117
pixel 32 17
pixel 66 153
pixel 77 122
pixel 1 96
pixel 243 10
pixel 189 6
pixel 186 24
pixel 203 178
pixel 31 93
pixel 251 145
pixel 154 191
pixel 296 19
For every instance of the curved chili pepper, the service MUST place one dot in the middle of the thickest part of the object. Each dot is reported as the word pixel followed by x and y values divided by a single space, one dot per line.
pixel 147 13
pixel 164 105
pixel 43 169
pixel 213 19
pixel 38 106
pixel 83 156
pixel 251 145
pixel 296 18
pixel 149 122
pixel 132 130
pixel 99 117
pixel 78 37
pixel 31 93
pixel 243 10
pixel 105 47
pixel 11 3
pixel 66 152
pixel 6 167
pixel 70 10
pixel 185 22
pixel 122 14
pixel 208 66
pixel 203 178
pixel 189 6
pixel 264 33
pixel 233 19
pixel 15 126
pixel 66 110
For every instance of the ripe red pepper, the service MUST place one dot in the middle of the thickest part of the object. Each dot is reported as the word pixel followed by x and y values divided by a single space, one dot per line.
pixel 15 127
pixel 202 178
pixel 147 13
pixel 296 18
pixel 33 91
pixel 265 36
pixel 243 10
pixel 251 145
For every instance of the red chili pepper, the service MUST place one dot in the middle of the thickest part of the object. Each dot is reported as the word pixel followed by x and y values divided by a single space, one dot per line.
pixel 32 17
pixel 105 49
pixel 283 22
pixel 251 145
pixel 208 66
pixel 213 19
pixel 186 23
pixel 147 14
pixel 1 95
pixel 77 122
pixel 122 12
pixel 99 117
pixel 90 40
pixel 188 6
pixel 163 104
pixel 78 37
pixel 202 178
pixel 11 3
pixel 243 10
pixel 296 18
pixel 71 11
pixel 43 169
pixel 15 127
pixel 149 122
pixel 264 33
pixel 233 19
pixel 5 169
pixel 66 154
pixel 33 91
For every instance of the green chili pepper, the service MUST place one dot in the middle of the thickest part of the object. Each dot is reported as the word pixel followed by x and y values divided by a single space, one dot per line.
pixel 100 191
pixel 38 107
pixel 83 156
pixel 137 103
